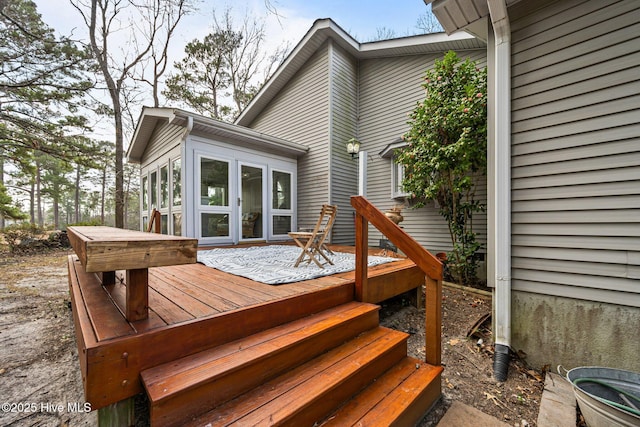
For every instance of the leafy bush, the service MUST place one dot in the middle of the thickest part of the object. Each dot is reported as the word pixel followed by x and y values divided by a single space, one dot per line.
pixel 447 151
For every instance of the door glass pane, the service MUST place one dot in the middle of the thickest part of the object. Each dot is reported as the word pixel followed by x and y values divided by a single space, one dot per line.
pixel 145 193
pixel 251 178
pixel 164 187
pixel 177 186
pixel 154 190
pixel 214 182
pixel 214 225
pixel 281 190
pixel 281 224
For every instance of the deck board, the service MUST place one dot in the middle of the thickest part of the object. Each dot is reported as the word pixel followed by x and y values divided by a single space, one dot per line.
pixel 191 308
pixel 168 310
pixel 189 293
pixel 222 286
pixel 106 320
pixel 167 286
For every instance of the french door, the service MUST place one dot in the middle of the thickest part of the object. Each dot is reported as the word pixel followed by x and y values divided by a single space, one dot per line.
pixel 251 201
pixel 243 201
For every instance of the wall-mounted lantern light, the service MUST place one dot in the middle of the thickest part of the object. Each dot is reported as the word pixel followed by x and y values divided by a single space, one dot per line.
pixel 353 147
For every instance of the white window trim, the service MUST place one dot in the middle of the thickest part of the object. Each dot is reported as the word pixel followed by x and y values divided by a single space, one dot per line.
pixel 224 210
pixel 281 212
pixel 397 174
pixel 389 152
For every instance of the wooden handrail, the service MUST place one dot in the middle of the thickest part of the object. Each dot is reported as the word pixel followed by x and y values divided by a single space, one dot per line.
pixel 429 264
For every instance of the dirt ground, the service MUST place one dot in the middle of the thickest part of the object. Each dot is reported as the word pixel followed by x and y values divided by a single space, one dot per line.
pixel 40 383
pixel 467 357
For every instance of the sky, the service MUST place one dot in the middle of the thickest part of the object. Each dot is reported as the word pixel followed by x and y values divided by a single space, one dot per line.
pixel 360 18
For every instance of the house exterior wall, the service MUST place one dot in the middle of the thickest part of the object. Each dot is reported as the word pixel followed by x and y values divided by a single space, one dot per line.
pixel 300 113
pixel 163 148
pixel 343 126
pixel 165 137
pixel 389 91
pixel 576 181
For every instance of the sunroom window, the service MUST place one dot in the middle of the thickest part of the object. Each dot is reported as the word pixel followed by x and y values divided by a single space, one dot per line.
pixel 281 202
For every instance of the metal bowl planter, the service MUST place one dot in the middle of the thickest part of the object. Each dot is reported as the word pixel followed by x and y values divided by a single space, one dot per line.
pixel 607 397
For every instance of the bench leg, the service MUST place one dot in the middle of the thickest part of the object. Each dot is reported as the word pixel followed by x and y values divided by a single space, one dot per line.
pixel 137 294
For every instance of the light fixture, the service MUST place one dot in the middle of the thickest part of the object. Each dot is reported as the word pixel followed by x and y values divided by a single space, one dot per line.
pixel 353 147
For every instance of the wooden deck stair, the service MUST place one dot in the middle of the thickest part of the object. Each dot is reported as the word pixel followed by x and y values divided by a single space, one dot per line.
pixel 337 367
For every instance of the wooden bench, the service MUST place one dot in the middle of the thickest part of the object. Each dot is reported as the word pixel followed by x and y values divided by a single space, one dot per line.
pixel 104 250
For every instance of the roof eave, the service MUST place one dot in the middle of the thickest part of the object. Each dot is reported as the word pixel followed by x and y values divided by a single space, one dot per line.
pixel 324 29
pixel 150 117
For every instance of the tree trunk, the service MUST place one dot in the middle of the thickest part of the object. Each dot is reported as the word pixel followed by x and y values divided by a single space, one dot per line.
pixel 32 203
pixel 119 167
pixel 56 213
pixel 38 196
pixel 1 182
pixel 102 194
pixel 77 195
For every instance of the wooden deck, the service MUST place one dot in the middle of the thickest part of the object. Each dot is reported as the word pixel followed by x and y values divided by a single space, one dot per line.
pixel 193 308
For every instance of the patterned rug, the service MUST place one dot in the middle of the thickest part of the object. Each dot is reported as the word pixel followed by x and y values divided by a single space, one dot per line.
pixel 274 264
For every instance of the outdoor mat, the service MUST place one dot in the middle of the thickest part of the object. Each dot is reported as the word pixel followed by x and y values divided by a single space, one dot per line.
pixel 274 264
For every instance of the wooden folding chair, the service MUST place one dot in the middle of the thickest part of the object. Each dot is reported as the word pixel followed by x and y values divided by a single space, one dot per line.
pixel 312 243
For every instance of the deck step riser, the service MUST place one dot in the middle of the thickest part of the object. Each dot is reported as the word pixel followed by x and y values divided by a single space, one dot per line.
pixel 323 404
pixel 261 362
pixel 399 398
pixel 311 391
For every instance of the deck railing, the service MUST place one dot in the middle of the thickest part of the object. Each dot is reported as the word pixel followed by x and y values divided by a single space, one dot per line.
pixel 367 213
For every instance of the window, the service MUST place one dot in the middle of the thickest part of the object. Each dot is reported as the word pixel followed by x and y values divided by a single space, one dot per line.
pixel 281 202
pixel 164 187
pixel 154 190
pixel 397 170
pixel 214 224
pixel 281 190
pixel 281 224
pixel 164 224
pixel 176 197
pixel 214 182
pixel 397 176
pixel 145 194
pixel 177 224
pixel 176 172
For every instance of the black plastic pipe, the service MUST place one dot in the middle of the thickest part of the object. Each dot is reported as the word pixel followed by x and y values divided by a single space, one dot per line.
pixel 501 362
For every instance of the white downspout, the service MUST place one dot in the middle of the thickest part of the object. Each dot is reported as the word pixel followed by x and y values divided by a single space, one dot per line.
pixel 188 129
pixel 502 194
pixel 362 174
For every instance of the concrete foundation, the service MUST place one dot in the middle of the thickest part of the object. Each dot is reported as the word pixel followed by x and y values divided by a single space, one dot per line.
pixel 570 332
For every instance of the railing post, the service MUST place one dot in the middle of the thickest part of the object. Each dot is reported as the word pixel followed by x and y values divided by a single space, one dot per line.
pixel 429 264
pixel 433 321
pixel 362 251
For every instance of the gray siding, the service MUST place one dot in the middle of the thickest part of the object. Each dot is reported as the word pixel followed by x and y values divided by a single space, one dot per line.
pixel 344 169
pixel 300 113
pixel 165 138
pixel 389 91
pixel 576 150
